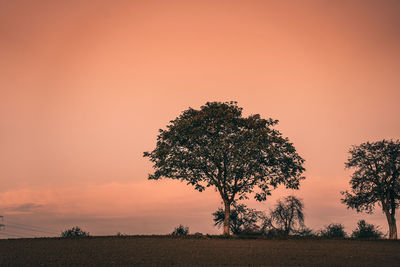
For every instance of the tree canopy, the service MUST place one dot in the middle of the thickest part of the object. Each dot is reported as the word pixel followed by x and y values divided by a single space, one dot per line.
pixel 375 180
pixel 216 146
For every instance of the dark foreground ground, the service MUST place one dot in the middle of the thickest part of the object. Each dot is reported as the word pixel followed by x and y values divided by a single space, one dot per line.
pixel 167 251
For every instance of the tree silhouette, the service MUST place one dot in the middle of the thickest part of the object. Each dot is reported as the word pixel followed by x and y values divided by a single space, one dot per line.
pixel 215 146
pixel 287 216
pixel 376 179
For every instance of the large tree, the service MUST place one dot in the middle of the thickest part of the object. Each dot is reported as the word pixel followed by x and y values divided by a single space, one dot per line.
pixel 375 180
pixel 216 146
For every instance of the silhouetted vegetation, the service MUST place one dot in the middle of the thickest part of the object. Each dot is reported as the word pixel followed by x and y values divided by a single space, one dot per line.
pixel 180 230
pixel 286 218
pixel 198 235
pixel 333 230
pixel 305 232
pixel 215 146
pixel 74 232
pixel 243 220
pixel 376 179
pixel 119 234
pixel 366 230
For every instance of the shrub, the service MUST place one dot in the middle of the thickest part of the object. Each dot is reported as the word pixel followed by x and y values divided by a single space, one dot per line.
pixel 366 230
pixel 119 234
pixel 74 232
pixel 198 235
pixel 334 230
pixel 305 232
pixel 274 233
pixel 252 229
pixel 180 231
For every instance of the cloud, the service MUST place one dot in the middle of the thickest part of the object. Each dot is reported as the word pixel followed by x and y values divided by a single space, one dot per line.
pixel 24 208
pixel 146 208
pixel 158 206
pixel 110 200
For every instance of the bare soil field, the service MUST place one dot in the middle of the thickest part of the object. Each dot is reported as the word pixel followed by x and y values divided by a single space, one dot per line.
pixel 168 251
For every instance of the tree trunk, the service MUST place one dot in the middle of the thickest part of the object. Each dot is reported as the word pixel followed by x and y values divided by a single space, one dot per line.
pixel 392 225
pixel 227 218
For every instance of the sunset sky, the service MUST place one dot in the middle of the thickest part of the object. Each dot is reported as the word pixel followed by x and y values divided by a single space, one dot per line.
pixel 85 86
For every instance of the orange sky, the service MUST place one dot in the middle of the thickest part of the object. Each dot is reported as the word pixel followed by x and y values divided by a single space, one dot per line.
pixel 85 85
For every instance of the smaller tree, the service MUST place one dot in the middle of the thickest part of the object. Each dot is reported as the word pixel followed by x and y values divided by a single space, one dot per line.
pixel 287 217
pixel 334 230
pixel 180 231
pixel 74 232
pixel 375 180
pixel 366 230
pixel 242 219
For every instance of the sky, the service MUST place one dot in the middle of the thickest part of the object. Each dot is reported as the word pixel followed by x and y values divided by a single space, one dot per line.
pixel 85 86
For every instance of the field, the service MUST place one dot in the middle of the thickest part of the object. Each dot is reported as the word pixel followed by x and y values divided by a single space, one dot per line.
pixel 167 251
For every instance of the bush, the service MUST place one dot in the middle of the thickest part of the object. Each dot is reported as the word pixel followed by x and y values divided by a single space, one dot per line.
pixel 366 230
pixel 180 231
pixel 305 232
pixel 333 231
pixel 198 235
pixel 274 233
pixel 74 232
pixel 251 230
pixel 119 234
